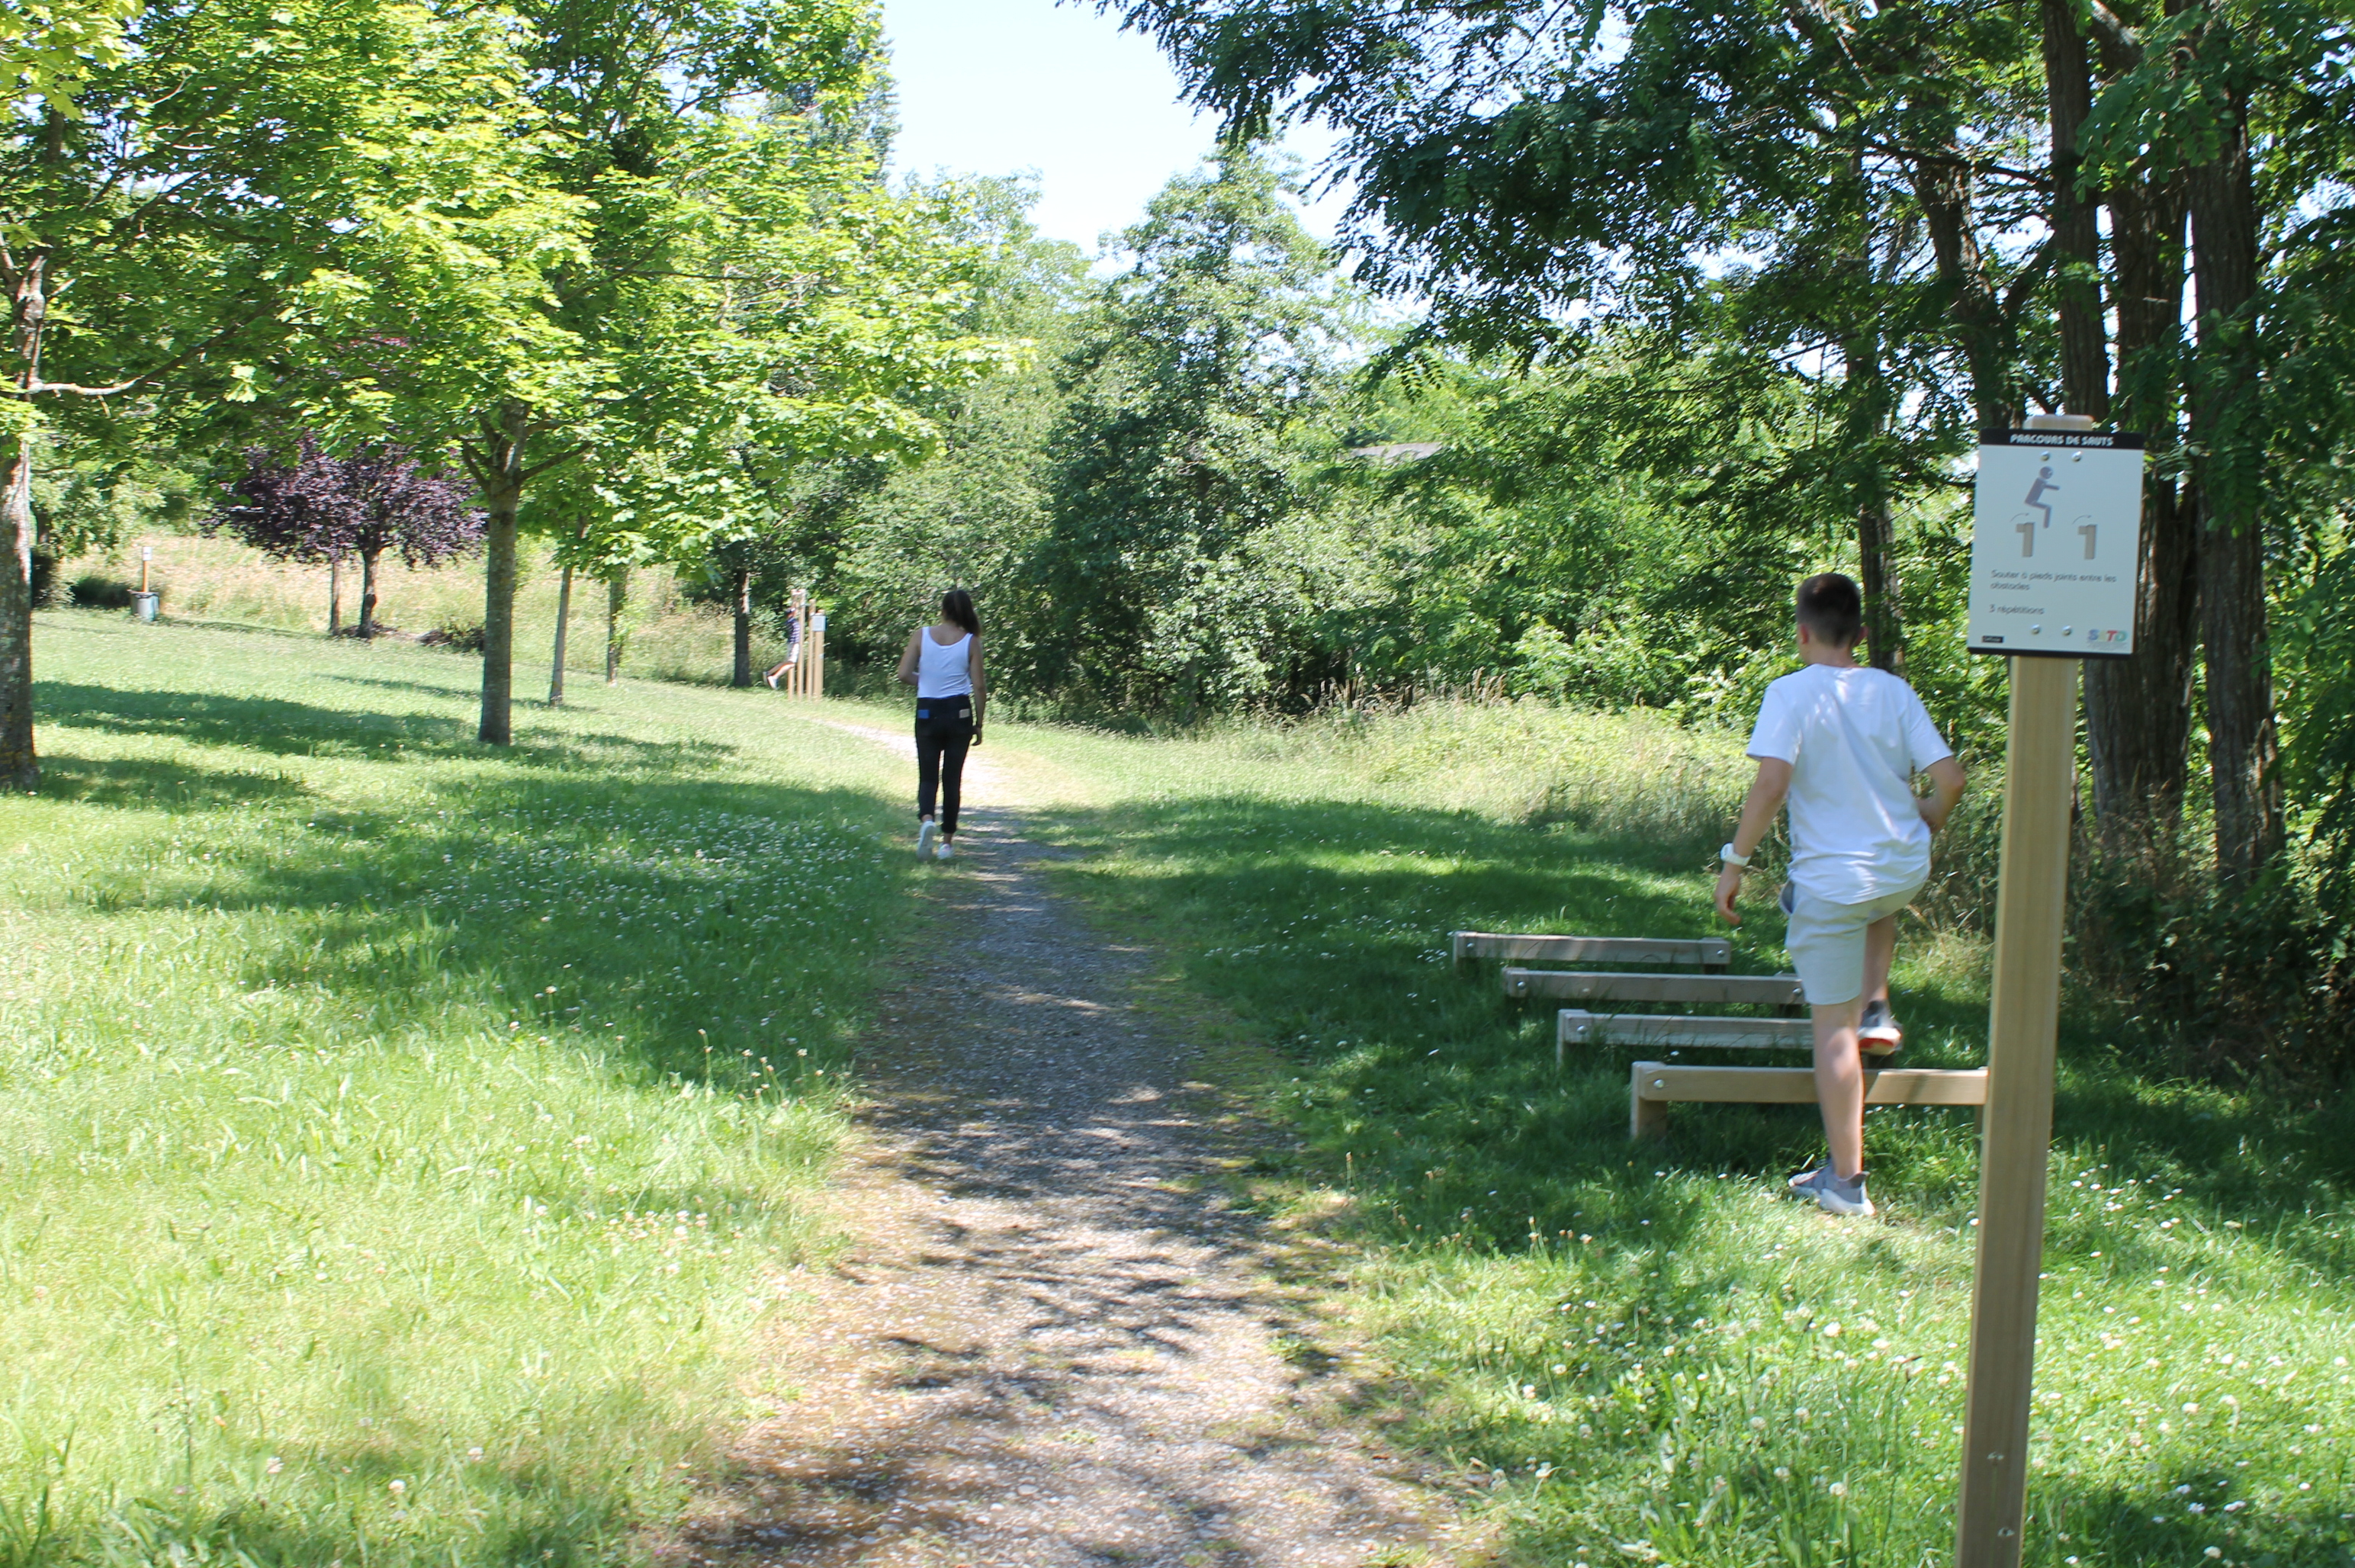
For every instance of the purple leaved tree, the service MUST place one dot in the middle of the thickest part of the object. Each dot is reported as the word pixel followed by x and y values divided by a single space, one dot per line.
pixel 322 508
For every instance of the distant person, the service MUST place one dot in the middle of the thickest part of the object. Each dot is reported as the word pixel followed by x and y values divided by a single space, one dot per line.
pixel 1842 743
pixel 944 664
pixel 793 649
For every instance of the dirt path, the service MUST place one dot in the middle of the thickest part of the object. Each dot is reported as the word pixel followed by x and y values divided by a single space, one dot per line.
pixel 1053 1343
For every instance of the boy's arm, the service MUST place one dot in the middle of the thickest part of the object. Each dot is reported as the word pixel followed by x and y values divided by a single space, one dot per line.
pixel 1946 789
pixel 1766 792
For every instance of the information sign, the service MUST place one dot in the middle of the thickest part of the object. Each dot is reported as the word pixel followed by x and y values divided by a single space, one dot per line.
pixel 2056 543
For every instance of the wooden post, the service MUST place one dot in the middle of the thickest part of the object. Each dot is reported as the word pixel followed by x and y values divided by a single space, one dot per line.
pixel 794 683
pixel 815 641
pixel 2040 787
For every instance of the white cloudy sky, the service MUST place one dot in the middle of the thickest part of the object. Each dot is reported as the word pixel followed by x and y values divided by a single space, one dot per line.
pixel 1000 87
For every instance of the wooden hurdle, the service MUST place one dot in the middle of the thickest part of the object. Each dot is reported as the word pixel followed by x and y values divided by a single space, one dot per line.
pixel 1575 1026
pixel 1709 953
pixel 1653 1086
pixel 1587 985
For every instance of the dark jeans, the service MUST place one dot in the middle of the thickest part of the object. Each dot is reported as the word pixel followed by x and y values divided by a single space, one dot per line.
pixel 944 735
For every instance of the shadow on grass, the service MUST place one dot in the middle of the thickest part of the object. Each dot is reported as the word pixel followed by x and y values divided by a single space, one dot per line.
pixel 284 728
pixel 1436 1098
pixel 148 784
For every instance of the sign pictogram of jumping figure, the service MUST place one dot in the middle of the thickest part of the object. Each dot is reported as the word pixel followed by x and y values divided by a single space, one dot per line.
pixel 2056 543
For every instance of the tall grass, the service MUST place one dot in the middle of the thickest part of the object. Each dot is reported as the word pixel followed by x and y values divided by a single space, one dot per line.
pixel 405 1142
pixel 669 637
pixel 1644 1353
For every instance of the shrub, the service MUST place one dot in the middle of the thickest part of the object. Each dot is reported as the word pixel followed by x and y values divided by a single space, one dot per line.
pixel 96 591
pixel 458 636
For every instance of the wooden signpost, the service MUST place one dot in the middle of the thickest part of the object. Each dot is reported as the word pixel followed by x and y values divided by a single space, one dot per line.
pixel 805 676
pixel 2076 602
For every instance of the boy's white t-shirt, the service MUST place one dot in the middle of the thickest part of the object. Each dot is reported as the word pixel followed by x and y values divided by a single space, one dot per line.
pixel 1854 737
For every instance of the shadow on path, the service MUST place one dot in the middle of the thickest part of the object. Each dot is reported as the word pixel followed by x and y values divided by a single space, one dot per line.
pixel 1054 1343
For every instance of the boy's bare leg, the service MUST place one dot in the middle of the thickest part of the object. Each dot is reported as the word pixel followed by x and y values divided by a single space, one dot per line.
pixel 1839 1083
pixel 1880 951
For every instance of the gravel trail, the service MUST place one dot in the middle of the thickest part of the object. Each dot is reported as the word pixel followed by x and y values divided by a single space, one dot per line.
pixel 1052 1343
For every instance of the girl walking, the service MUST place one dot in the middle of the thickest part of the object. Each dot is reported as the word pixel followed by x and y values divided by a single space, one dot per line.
pixel 944 664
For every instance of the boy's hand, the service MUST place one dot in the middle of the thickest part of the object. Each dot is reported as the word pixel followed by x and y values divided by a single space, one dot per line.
pixel 1946 788
pixel 1729 887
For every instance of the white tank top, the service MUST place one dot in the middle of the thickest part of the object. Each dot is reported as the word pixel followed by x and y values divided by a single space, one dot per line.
pixel 943 671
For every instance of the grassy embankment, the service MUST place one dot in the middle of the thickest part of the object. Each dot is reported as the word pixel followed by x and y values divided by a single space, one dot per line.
pixel 220 580
pixel 1641 1354
pixel 404 1142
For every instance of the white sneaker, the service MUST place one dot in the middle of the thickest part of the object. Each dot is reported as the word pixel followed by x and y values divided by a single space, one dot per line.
pixel 1831 1193
pixel 945 852
pixel 772 678
pixel 924 833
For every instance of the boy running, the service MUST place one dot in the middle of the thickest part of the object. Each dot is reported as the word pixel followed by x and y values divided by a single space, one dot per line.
pixel 1842 744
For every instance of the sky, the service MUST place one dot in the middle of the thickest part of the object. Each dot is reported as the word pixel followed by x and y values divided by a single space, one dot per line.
pixel 1002 87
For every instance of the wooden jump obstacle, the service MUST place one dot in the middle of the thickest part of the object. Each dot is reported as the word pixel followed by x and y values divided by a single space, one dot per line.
pixel 1711 954
pixel 1653 1086
pixel 1576 1026
pixel 1588 985
pixel 805 673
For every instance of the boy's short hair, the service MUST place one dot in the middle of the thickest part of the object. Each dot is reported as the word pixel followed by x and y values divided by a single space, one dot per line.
pixel 1832 607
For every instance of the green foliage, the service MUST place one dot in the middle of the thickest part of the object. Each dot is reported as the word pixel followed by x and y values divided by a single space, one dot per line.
pixel 1159 582
pixel 973 513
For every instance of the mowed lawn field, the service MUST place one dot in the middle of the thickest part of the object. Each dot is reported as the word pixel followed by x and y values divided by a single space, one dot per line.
pixel 404 1142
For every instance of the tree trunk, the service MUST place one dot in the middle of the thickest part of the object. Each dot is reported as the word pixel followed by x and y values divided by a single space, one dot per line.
pixel 20 768
pixel 367 592
pixel 501 476
pixel 743 674
pixel 2069 95
pixel 564 621
pixel 28 310
pixel 335 592
pixel 1867 393
pixel 1980 330
pixel 2138 710
pixel 617 598
pixel 2243 745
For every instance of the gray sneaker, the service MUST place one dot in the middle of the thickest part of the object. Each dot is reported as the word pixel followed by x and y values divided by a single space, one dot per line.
pixel 924 834
pixel 1878 1035
pixel 1831 1193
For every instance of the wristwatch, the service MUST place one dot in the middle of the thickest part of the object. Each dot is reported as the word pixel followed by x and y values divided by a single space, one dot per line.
pixel 1731 858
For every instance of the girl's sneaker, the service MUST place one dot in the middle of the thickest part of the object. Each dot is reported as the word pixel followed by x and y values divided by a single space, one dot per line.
pixel 1831 1193
pixel 1878 1034
pixel 924 833
pixel 945 852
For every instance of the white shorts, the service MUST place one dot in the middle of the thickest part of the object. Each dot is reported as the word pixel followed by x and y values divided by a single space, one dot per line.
pixel 1827 943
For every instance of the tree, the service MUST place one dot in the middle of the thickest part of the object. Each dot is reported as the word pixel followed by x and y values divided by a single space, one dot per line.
pixel 1187 440
pixel 728 279
pixel 322 508
pixel 974 514
pixel 179 202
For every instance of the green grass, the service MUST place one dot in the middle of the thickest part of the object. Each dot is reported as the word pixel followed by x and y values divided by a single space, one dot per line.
pixel 317 1185
pixel 1640 1354
pixel 405 1141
